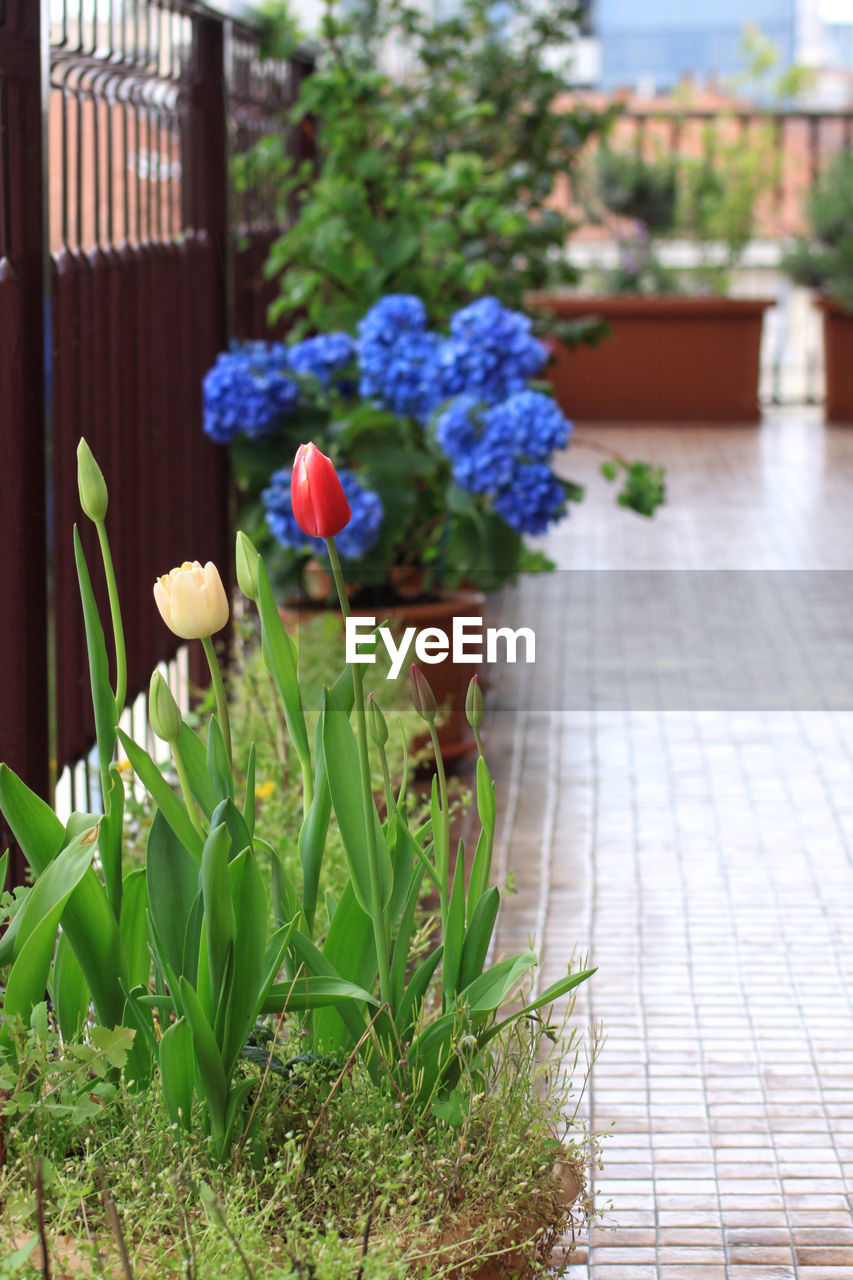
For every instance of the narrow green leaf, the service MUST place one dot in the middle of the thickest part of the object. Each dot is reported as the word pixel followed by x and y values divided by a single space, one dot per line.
pixel 172 878
pixel 28 977
pixel 141 1016
pixel 247 891
pixel 479 873
pixel 249 795
pixel 351 950
pixel 285 899
pixel 177 1072
pixel 110 839
pixel 88 919
pixel 454 934
pixel 226 811
pixel 133 926
pixel 103 698
pixel 316 965
pixel 345 784
pixel 478 935
pixel 554 992
pixel 218 764
pixel 403 940
pixel 219 915
pixel 281 658
pixel 416 990
pixel 169 804
pixel 69 990
pixel 211 1077
pixel 314 830
pixel 492 988
pixel 194 756
pixel 32 821
pixel 310 992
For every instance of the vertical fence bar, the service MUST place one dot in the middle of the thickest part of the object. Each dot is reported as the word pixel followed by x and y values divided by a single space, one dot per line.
pixel 24 738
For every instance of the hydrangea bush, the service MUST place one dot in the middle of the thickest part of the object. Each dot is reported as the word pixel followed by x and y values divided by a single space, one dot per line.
pixel 444 446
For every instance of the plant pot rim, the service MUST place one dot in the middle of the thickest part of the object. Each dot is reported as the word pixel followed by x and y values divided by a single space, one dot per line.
pixel 444 605
pixel 658 304
pixel 824 302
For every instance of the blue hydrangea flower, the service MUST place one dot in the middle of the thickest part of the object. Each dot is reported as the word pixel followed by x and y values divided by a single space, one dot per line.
pixel 248 392
pixel 398 357
pixel 533 500
pixel 486 445
pixel 534 421
pixel 353 541
pixel 491 352
pixel 324 356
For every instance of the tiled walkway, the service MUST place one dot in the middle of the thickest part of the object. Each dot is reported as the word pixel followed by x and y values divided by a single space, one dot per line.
pixel 694 833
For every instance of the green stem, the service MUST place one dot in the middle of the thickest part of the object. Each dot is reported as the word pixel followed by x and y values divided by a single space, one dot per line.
pixel 186 790
pixel 115 615
pixel 219 691
pixel 479 742
pixel 379 930
pixel 444 869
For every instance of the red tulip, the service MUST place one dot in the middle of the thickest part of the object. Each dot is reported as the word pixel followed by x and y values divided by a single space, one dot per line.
pixel 319 502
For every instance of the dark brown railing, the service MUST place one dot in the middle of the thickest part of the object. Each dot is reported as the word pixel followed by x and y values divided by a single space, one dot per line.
pixel 117 288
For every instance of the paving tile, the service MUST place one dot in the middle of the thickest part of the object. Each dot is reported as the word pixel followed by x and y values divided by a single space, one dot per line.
pixel 702 852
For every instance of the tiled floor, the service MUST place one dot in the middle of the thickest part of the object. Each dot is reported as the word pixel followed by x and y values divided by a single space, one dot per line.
pixel 694 833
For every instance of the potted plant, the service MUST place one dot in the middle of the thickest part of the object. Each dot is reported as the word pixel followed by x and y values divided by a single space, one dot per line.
pixel 824 261
pixel 216 1024
pixel 679 350
pixel 444 450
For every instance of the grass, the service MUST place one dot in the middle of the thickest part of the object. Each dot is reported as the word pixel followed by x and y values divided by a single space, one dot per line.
pixel 334 1163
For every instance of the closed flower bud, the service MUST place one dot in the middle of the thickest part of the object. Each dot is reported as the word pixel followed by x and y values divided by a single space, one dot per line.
pixel 376 721
pixel 192 600
pixel 319 503
pixel 475 707
pixel 91 484
pixel 164 714
pixel 423 697
pixel 247 558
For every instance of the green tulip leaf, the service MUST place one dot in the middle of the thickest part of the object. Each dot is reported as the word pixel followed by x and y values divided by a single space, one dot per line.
pixel 478 936
pixel 177 1072
pixel 171 807
pixel 172 877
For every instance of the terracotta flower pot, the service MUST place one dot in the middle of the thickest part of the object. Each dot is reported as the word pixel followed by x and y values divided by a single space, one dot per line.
pixel 534 1226
pixel 449 679
pixel 667 359
pixel 838 359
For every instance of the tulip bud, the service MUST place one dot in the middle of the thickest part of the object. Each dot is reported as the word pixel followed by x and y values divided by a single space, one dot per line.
pixel 91 484
pixel 475 707
pixel 320 506
pixel 376 721
pixel 192 600
pixel 164 714
pixel 247 567
pixel 422 695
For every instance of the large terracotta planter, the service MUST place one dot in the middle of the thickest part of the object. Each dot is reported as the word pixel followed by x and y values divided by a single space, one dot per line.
pixel 838 360
pixel 449 680
pixel 667 359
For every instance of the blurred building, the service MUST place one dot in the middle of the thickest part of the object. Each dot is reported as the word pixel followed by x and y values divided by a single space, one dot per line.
pixel 654 45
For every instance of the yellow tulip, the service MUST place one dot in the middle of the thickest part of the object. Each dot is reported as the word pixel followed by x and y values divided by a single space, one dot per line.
pixel 192 600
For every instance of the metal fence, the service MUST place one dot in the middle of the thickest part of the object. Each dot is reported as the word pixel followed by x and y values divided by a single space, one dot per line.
pixel 118 285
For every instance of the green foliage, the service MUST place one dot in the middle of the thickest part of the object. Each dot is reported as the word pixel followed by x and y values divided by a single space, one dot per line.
pixel 303 1199
pixel 435 183
pixel 218 942
pixel 634 187
pixel 643 487
pixel 825 259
